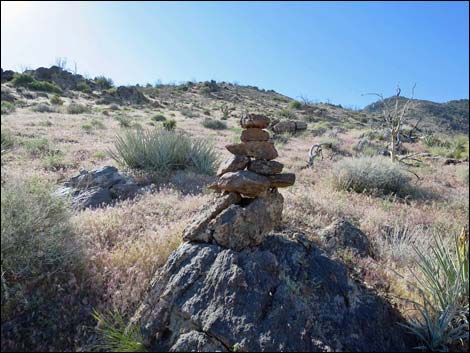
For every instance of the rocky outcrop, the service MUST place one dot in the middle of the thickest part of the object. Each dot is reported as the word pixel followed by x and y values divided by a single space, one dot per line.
pixel 6 75
pixel 98 187
pixel 283 295
pixel 130 95
pixel 62 78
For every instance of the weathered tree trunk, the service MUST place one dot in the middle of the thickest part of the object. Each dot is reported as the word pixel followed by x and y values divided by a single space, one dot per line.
pixel 393 149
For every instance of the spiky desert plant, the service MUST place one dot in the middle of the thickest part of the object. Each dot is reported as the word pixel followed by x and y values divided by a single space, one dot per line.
pixel 443 284
pixel 116 335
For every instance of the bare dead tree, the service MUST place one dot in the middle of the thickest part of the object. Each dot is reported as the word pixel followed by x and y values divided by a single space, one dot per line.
pixel 394 117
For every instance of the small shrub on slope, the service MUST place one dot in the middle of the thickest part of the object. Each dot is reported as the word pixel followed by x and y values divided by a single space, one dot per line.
pixel 370 175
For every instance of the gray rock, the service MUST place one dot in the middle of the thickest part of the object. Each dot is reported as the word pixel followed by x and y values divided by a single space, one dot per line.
pixel 104 177
pixel 130 95
pixel 242 226
pixel 341 234
pixel 92 198
pixel 237 162
pixel 280 296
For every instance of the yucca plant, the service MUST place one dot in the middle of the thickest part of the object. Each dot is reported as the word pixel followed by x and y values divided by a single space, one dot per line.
pixel 116 335
pixel 163 151
pixel 444 287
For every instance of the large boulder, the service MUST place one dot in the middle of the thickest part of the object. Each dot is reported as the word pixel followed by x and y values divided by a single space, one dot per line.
pixel 280 296
pixel 254 121
pixel 6 76
pixel 254 134
pixel 130 95
pixel 98 187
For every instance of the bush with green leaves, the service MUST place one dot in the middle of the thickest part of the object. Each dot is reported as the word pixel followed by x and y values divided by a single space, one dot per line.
pixel 56 100
pixel 37 146
pixel 83 87
pixel 7 140
pixel 372 175
pixel 39 255
pixel 158 117
pixel 28 81
pixel 7 107
pixel 123 120
pixel 22 80
pixel 214 124
pixel 442 281
pixel 160 150
pixel 169 124
pixel 44 86
pixel 103 83
pixel 76 108
pixel 295 105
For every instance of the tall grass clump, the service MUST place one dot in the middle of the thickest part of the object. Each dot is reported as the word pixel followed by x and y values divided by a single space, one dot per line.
pixel 214 124
pixel 7 140
pixel 41 263
pixel 443 284
pixel 370 175
pixel 116 335
pixel 161 150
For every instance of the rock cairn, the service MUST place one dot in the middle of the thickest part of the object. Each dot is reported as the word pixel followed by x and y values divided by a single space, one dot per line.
pixel 249 206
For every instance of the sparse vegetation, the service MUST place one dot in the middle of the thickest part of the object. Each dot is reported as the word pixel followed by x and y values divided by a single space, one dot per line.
pixel 163 151
pixel 7 140
pixel 295 105
pixel 103 83
pixel 83 87
pixel 28 81
pixel 43 108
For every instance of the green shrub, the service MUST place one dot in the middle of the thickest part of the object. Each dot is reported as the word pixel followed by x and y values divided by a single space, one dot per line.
pixel 75 108
pixel 443 283
pixel 103 83
pixel 37 146
pixel 7 107
pixel 286 114
pixel 295 105
pixel 116 334
pixel 44 86
pixel 463 174
pixel 56 100
pixel 7 140
pixel 370 175
pixel 163 151
pixel 53 161
pixel 83 87
pixel 22 80
pixel 41 259
pixel 169 124
pixel 123 120
pixel 87 127
pixel 158 117
pixel 214 124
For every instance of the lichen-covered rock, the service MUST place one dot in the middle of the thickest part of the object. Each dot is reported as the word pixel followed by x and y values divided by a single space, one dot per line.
pixel 254 121
pixel 284 126
pixel 244 182
pixel 265 167
pixel 236 162
pixel 256 149
pixel 281 296
pixel 341 234
pixel 254 134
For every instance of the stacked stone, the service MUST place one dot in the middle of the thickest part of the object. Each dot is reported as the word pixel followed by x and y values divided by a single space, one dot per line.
pixel 252 170
pixel 250 206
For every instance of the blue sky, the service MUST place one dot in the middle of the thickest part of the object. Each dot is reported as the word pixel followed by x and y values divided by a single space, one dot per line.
pixel 322 50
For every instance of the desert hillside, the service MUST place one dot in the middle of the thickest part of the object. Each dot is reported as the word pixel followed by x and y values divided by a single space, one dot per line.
pixel 82 264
